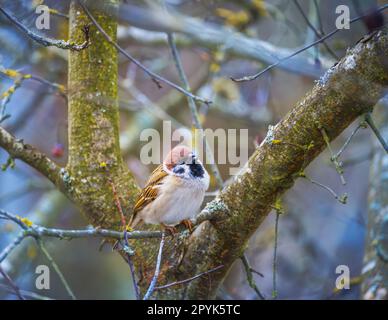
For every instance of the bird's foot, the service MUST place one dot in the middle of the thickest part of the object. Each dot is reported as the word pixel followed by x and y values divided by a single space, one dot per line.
pixel 188 224
pixel 170 229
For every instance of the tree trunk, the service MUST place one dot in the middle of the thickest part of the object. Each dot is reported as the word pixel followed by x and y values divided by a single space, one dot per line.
pixel 94 150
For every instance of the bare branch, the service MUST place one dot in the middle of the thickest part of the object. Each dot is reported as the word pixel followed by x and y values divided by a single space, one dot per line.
pixel 39 231
pixel 320 40
pixel 362 124
pixel 249 272
pixel 274 262
pixel 157 270
pixel 8 249
pixel 25 293
pixel 342 199
pixel 213 36
pixel 56 268
pixel 17 149
pixel 47 41
pixel 176 283
pixel 316 32
pixel 337 164
pixel 19 77
pixel 62 44
pixel 14 287
pixel 155 77
pixel 376 131
pixel 127 250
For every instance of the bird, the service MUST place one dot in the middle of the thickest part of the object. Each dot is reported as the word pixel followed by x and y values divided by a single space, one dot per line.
pixel 174 192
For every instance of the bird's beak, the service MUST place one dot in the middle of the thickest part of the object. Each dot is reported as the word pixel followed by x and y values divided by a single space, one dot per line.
pixel 193 158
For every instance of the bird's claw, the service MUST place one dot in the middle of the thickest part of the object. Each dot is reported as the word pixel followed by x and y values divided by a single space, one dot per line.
pixel 170 229
pixel 188 224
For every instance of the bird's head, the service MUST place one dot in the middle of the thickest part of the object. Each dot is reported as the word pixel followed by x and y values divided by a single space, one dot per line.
pixel 182 161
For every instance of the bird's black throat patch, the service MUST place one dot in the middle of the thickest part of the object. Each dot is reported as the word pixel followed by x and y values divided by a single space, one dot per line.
pixel 196 170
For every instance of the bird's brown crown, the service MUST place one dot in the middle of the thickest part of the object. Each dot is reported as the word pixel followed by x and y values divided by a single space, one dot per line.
pixel 175 155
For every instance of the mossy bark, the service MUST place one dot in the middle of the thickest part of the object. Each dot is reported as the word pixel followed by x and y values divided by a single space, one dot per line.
pixel 94 152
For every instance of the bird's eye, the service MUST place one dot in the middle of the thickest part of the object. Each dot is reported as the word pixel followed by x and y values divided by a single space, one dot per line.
pixel 178 170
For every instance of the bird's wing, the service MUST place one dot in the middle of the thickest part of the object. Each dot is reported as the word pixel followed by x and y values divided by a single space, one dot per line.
pixel 150 191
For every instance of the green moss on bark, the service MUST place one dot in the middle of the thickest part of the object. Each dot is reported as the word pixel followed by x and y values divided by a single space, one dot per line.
pixel 94 152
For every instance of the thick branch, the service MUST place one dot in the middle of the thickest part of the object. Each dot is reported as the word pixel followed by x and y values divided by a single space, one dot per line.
pixel 347 90
pixel 17 149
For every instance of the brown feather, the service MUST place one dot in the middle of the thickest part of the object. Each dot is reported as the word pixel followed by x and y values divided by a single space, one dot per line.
pixel 149 192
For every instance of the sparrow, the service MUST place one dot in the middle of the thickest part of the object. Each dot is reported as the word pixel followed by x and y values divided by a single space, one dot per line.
pixel 174 192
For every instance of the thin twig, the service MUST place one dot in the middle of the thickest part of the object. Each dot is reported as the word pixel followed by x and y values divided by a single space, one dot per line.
pixel 175 283
pixel 56 268
pixel 8 249
pixel 39 231
pixel 376 131
pixel 131 265
pixel 126 248
pixel 155 77
pixel 342 199
pixel 192 105
pixel 333 158
pixel 62 44
pixel 12 284
pixel 118 204
pixel 316 32
pixel 316 5
pixel 274 262
pixel 249 272
pixel 6 97
pixel 338 154
pixel 282 60
pixel 59 14
pixel 14 74
pixel 151 288
pixel 25 293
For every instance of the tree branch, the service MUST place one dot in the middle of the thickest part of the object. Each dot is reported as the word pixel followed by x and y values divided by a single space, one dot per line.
pixel 155 77
pixel 348 90
pixel 286 58
pixel 38 231
pixel 215 36
pixel 62 44
pixel 17 149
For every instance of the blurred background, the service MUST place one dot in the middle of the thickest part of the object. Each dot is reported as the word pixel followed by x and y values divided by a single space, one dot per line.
pixel 316 233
